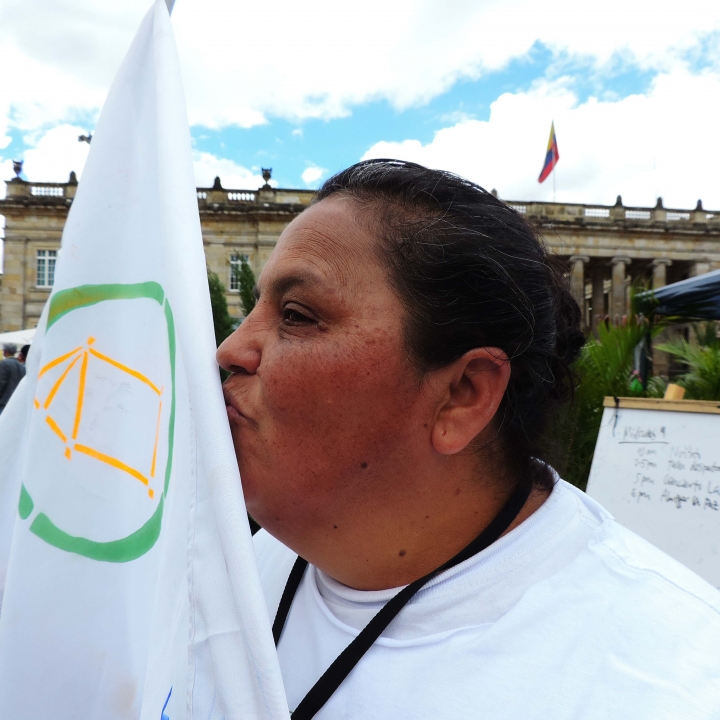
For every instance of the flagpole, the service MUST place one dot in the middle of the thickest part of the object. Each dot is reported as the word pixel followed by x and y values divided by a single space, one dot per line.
pixel 554 171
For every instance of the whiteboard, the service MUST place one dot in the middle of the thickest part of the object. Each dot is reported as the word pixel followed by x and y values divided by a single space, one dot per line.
pixel 658 473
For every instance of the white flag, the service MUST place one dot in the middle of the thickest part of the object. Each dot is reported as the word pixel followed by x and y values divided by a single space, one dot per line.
pixel 126 564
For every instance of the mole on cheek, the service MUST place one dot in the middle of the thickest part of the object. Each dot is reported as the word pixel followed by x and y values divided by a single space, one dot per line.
pixel 363 465
pixel 402 553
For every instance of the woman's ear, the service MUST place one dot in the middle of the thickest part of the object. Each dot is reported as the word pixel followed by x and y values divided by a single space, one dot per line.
pixel 471 390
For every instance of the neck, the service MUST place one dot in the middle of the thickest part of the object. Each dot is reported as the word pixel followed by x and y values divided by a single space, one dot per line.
pixel 402 531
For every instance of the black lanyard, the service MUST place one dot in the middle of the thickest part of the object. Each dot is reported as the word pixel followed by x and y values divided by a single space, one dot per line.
pixel 323 689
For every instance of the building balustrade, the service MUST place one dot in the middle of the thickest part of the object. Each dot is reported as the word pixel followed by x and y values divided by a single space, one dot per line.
pixel 581 214
pixel 542 212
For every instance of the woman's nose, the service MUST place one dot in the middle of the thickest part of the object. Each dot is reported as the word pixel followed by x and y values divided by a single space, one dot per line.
pixel 240 352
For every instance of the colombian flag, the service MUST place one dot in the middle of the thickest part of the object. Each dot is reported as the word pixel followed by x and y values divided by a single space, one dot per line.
pixel 552 155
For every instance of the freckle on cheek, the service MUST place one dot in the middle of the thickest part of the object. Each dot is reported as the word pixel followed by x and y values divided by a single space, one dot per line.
pixel 402 553
pixel 363 465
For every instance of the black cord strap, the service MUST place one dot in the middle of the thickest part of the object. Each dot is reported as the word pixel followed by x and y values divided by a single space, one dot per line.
pixel 331 679
pixel 288 595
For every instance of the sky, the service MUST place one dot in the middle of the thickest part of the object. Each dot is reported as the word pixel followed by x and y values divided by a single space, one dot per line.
pixel 308 88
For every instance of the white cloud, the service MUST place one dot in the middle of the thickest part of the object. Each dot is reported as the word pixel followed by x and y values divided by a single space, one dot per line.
pixel 662 143
pixel 242 62
pixel 55 154
pixel 312 174
pixel 354 60
pixel 232 175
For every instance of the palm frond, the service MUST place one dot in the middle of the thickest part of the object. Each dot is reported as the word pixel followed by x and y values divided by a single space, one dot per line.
pixel 702 379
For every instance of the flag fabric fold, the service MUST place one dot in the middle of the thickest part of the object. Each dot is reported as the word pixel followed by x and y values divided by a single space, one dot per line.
pixel 551 156
pixel 128 580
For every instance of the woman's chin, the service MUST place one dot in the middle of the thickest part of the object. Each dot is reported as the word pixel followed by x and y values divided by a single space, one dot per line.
pixel 253 500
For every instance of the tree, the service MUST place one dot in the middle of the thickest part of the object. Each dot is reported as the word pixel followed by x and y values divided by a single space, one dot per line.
pixel 246 282
pixel 702 362
pixel 604 368
pixel 222 321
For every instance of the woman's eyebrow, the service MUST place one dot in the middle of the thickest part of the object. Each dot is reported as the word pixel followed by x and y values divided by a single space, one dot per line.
pixel 281 285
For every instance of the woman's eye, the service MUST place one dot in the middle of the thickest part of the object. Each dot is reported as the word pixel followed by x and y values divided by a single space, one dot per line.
pixel 291 316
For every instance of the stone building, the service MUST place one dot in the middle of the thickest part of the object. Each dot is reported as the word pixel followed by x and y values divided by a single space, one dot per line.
pixel 235 223
pixel 606 247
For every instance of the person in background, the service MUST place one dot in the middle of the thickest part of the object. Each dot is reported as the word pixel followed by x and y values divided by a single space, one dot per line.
pixel 22 355
pixel 12 371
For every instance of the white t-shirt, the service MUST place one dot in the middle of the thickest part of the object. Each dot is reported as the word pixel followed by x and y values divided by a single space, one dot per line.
pixel 569 615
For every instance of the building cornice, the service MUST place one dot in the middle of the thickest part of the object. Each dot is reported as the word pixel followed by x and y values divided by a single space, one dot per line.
pixel 267 201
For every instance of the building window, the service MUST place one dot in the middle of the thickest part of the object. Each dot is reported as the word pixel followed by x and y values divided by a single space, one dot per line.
pixel 46 268
pixel 235 266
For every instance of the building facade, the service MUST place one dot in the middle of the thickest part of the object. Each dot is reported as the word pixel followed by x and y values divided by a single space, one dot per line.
pixel 606 248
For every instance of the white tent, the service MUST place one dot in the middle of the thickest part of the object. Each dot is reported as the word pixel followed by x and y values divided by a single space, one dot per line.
pixel 18 337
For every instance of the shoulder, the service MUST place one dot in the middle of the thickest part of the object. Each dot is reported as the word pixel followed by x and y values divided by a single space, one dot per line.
pixel 637 566
pixel 643 629
pixel 629 600
pixel 275 562
pixel 645 568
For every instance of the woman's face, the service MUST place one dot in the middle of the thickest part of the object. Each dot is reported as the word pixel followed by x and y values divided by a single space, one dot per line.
pixel 323 401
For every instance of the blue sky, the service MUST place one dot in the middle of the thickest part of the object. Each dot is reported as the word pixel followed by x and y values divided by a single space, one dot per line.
pixel 308 90
pixel 334 144
pixel 292 147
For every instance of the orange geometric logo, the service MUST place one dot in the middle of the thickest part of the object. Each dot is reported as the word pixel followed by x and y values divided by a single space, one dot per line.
pixel 78 359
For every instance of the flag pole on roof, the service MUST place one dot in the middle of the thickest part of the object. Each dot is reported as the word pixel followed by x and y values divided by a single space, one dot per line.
pixel 551 158
pixel 127 574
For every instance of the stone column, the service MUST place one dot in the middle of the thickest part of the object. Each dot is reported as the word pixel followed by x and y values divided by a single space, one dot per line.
pixel 598 293
pixel 660 266
pixel 577 280
pixel 699 268
pixel 661 360
pixel 618 304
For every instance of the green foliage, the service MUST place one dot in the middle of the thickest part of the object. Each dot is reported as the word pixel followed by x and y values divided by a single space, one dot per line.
pixel 702 379
pixel 222 321
pixel 246 283
pixel 706 334
pixel 604 369
pixel 656 388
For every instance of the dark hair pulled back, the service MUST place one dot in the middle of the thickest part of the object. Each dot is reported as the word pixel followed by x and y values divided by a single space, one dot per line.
pixel 471 272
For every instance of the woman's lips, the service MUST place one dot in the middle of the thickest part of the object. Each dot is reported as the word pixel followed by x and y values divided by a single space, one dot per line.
pixel 234 413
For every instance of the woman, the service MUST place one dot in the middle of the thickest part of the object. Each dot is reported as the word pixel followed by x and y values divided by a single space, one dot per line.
pixel 389 402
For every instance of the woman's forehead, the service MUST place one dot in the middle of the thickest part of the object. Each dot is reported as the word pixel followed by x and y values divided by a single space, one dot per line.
pixel 325 240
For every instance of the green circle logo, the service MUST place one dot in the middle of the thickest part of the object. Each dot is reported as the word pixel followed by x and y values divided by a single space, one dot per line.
pixel 115 420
